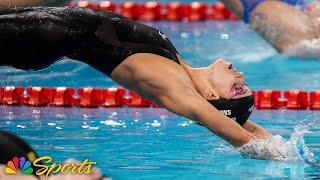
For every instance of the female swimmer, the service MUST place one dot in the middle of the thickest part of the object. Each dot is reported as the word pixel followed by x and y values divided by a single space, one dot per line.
pixel 137 57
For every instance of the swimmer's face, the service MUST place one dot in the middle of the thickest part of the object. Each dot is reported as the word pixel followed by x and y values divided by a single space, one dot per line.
pixel 227 81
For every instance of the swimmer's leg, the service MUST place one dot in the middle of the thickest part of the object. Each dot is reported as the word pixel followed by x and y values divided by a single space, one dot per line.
pixel 281 29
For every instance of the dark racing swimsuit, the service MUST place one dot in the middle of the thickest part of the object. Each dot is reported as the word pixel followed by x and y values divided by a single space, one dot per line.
pixel 34 38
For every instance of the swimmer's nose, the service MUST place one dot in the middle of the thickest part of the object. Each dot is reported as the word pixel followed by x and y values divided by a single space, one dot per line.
pixel 239 75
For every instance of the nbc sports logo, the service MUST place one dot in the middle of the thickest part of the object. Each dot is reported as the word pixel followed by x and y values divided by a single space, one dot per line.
pixel 18 163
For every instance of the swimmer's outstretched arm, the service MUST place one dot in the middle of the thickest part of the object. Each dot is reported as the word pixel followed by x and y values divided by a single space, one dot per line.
pixel 280 24
pixel 198 109
pixel 168 85
pixel 257 130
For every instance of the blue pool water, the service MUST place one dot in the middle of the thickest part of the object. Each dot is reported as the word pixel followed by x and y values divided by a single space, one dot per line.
pixel 153 143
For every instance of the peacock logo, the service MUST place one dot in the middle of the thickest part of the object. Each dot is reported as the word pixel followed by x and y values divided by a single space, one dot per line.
pixel 18 163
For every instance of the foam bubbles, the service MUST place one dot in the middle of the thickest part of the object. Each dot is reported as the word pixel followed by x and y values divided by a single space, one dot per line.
pixel 156 123
pixel 112 123
pixel 278 148
pixel 305 49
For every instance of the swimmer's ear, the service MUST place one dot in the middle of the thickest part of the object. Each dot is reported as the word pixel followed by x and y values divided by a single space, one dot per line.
pixel 211 95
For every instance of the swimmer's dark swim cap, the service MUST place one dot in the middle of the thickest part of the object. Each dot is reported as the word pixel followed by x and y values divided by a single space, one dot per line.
pixel 237 109
pixel 12 146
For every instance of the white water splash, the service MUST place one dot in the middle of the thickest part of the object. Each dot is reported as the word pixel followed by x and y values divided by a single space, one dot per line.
pixel 156 123
pixel 305 49
pixel 112 123
pixel 278 148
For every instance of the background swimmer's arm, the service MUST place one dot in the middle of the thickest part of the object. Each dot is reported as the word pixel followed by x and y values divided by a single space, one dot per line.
pixel 257 130
pixel 280 29
pixel 196 108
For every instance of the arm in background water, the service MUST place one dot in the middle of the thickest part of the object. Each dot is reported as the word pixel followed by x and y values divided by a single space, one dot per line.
pixel 281 24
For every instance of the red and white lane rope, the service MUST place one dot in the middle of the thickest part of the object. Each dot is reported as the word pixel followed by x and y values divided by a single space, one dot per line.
pixel 154 11
pixel 119 97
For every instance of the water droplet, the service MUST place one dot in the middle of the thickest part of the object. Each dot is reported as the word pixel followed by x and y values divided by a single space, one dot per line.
pixel 85 126
pixel 94 128
pixel 21 126
pixel 184 35
pixel 156 123
pixel 60 115
pixel 36 112
pixel 224 36
pixel 86 116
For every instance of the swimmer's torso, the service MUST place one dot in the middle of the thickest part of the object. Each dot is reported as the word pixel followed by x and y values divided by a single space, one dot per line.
pixel 33 38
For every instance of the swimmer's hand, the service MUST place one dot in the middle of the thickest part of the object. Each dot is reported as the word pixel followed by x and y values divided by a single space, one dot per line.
pixel 273 148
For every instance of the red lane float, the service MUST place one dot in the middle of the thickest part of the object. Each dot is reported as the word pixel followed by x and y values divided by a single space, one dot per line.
pixel 198 11
pixel 293 99
pixel 175 11
pixel 267 99
pixel 296 99
pixel 131 10
pixel 108 6
pixel 315 100
pixel 12 95
pixel 90 97
pixel 119 97
pixel 82 4
pixel 112 97
pixel 63 97
pixel 38 96
pixel 153 11
pixel 138 101
pixel 218 12
pixel 1 94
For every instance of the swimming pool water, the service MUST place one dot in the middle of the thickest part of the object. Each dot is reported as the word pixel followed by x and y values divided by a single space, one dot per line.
pixel 153 143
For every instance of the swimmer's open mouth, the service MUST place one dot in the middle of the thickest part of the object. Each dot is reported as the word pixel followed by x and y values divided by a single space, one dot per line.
pixel 237 90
